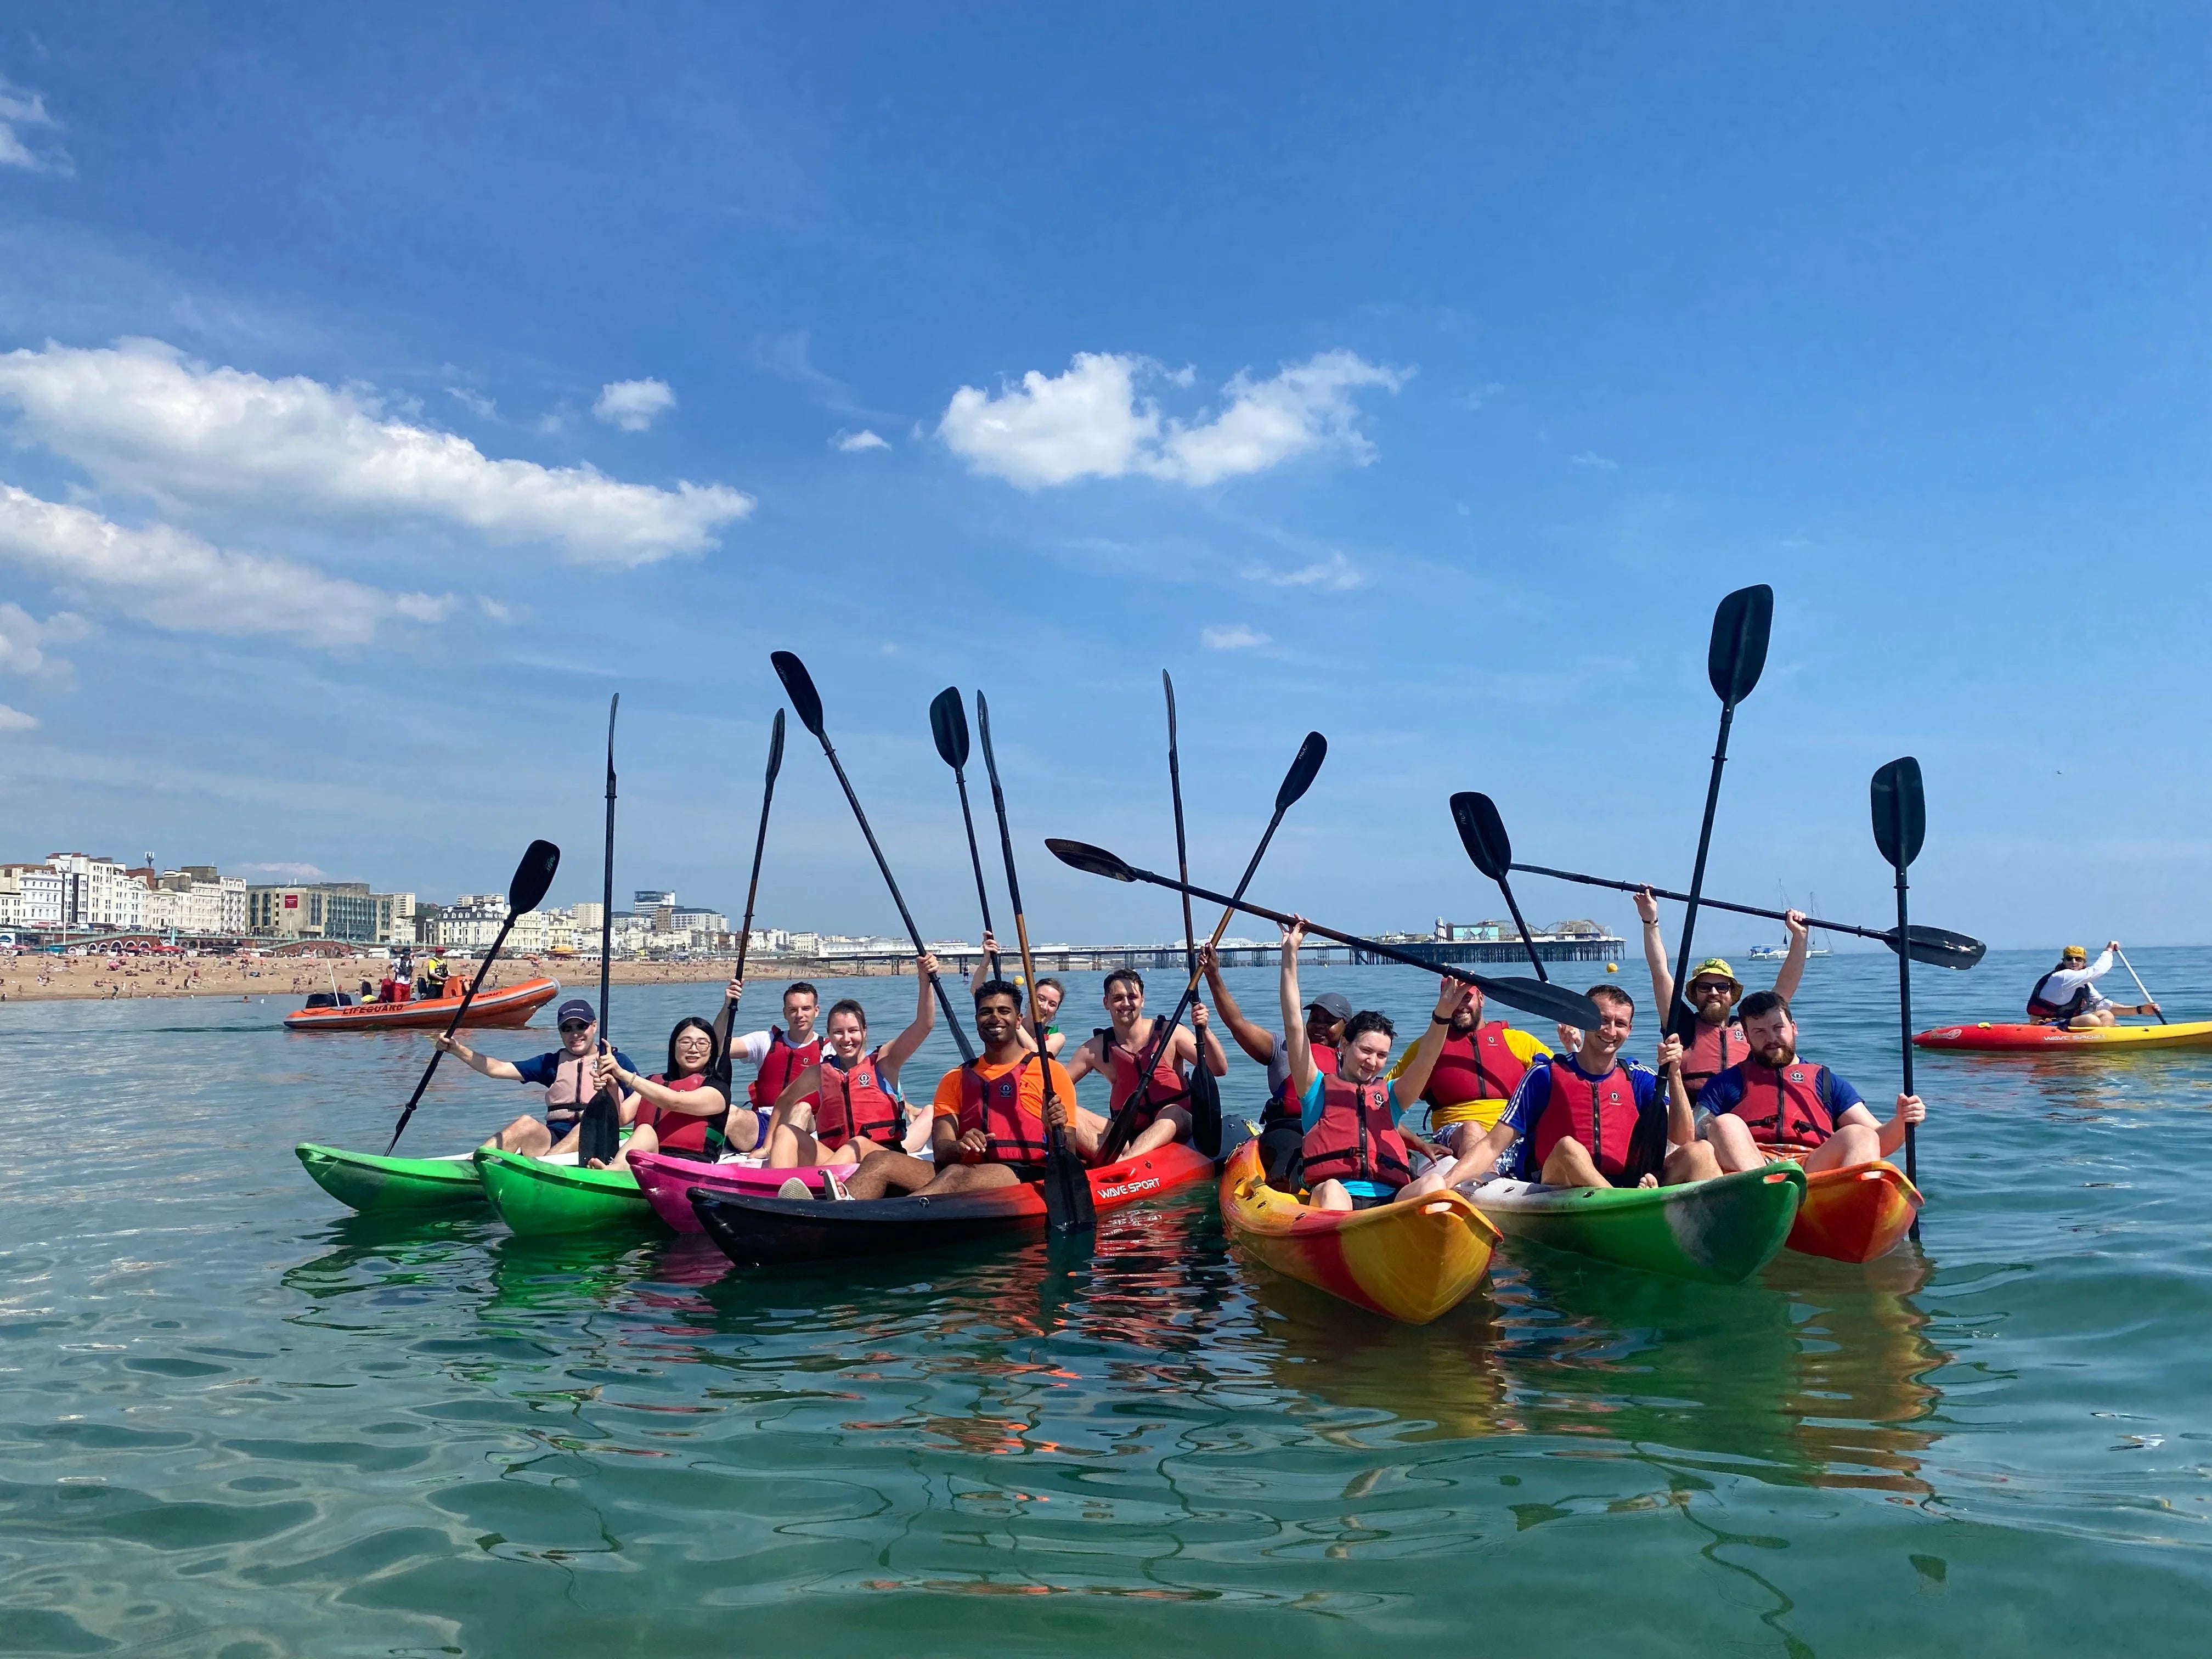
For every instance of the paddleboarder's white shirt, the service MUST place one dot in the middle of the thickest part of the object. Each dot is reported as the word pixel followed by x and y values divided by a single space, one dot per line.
pixel 2059 988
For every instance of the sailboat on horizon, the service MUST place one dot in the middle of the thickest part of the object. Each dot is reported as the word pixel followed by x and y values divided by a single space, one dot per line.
pixel 1813 947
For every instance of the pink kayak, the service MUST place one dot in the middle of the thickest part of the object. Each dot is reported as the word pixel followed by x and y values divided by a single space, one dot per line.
pixel 667 1183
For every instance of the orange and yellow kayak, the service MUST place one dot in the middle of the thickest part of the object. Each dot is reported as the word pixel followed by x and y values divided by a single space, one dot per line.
pixel 1852 1214
pixel 1997 1037
pixel 513 1006
pixel 1410 1261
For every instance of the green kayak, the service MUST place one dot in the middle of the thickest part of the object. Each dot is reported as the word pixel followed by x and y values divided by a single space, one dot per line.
pixel 377 1186
pixel 1721 1231
pixel 536 1197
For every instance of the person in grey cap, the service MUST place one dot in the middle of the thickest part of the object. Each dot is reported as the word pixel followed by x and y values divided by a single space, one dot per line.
pixel 1281 1131
pixel 566 1076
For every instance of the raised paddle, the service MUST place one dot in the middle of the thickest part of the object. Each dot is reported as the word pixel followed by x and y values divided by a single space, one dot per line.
pixel 948 725
pixel 1531 996
pixel 799 686
pixel 1205 1090
pixel 1734 659
pixel 1068 1206
pixel 729 1014
pixel 598 1133
pixel 1900 824
pixel 533 877
pixel 2143 990
pixel 1296 782
pixel 1482 832
pixel 1938 947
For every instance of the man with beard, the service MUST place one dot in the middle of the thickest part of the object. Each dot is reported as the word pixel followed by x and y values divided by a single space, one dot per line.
pixel 1774 1098
pixel 1482 1064
pixel 1716 1042
pixel 1281 1133
pixel 991 1114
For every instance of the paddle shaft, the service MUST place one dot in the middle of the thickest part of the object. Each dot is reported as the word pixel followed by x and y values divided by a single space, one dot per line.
pixel 726 1022
pixel 598 1137
pixel 2142 989
pixel 1675 1021
pixel 1182 873
pixel 1514 905
pixel 452 1026
pixel 1707 903
pixel 975 858
pixel 936 980
pixel 1905 1032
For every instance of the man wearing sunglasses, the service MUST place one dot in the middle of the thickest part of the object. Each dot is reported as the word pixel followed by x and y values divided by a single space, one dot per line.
pixel 1716 1040
pixel 566 1076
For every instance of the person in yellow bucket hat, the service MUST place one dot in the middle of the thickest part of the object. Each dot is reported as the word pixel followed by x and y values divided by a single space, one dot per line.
pixel 1717 1041
pixel 2068 995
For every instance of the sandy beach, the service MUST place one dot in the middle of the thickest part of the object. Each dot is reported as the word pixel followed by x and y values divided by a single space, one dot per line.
pixel 45 978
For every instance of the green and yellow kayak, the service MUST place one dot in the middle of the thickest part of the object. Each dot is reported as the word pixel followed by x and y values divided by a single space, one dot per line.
pixel 537 1196
pixel 1720 1231
pixel 376 1185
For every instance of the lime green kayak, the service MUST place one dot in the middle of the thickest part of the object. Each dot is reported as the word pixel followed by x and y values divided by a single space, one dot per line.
pixel 535 1197
pixel 1721 1231
pixel 377 1186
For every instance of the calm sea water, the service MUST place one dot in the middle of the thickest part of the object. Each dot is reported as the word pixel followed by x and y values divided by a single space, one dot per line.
pixel 234 1420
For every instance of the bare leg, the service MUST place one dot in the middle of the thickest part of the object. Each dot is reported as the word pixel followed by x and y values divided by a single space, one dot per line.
pixel 791 1149
pixel 527 1136
pixel 1695 1162
pixel 970 1178
pixel 1172 1125
pixel 881 1173
pixel 1733 1149
pixel 1330 1195
pixel 1568 1164
pixel 1854 1143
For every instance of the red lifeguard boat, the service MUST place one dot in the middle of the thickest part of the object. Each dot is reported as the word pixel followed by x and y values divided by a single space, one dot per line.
pixel 511 1006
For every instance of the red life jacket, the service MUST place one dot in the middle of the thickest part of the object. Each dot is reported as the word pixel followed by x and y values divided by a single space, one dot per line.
pixel 1710 1050
pixel 1280 1109
pixel 1356 1138
pixel 855 1105
pixel 1476 1066
pixel 1786 1105
pixel 1166 1088
pixel 780 1065
pixel 680 1131
pixel 993 1105
pixel 1602 1115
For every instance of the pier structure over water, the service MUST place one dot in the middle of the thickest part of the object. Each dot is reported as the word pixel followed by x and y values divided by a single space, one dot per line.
pixel 1147 958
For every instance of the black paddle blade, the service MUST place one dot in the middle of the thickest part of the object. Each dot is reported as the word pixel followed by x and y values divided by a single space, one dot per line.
pixel 948 724
pixel 1205 1110
pixel 1300 779
pixel 799 686
pixel 1900 814
pixel 1091 861
pixel 1482 832
pixel 1738 653
pixel 775 747
pixel 1534 996
pixel 1939 947
pixel 1167 683
pixel 614 706
pixel 983 725
pixel 1069 1205
pixel 534 878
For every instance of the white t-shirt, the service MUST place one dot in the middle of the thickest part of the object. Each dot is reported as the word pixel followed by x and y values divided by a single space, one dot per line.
pixel 2059 986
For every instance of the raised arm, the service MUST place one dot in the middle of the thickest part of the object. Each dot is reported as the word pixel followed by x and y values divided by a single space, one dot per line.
pixel 976 979
pixel 901 1048
pixel 1451 997
pixel 733 995
pixel 1655 957
pixel 1082 1063
pixel 504 1070
pixel 1793 966
pixel 1255 1040
pixel 1296 1049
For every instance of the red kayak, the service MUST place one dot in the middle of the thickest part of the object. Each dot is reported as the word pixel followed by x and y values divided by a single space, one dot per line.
pixel 1994 1037
pixel 511 1007
pixel 1852 1214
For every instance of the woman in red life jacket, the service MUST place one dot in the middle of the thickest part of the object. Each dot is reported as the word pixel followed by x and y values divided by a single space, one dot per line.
pixel 991 1119
pixel 1716 1040
pixel 678 1110
pixel 1591 1119
pixel 1777 1098
pixel 847 1103
pixel 1119 1049
pixel 1355 1156
pixel 1282 1133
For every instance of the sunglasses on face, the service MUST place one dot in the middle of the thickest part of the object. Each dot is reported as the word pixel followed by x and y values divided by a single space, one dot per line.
pixel 1707 987
pixel 573 1027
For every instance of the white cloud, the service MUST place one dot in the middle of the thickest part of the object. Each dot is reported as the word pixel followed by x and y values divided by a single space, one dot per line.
pixel 14 720
pixel 1591 457
pixel 634 405
pixel 140 418
pixel 288 872
pixel 1091 422
pixel 175 580
pixel 1333 575
pixel 493 609
pixel 1476 396
pixel 26 643
pixel 1235 637
pixel 476 403
pixel 22 114
pixel 852 443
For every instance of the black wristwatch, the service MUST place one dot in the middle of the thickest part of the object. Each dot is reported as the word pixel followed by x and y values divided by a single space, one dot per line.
pixel 1439 1019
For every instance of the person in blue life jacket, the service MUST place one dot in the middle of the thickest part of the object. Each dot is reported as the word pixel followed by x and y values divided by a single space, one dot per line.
pixel 1354 1155
pixel 1587 1118
pixel 2067 995
pixel 1776 1098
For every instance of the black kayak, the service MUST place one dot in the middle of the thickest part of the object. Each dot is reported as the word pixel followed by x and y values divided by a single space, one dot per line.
pixel 759 1230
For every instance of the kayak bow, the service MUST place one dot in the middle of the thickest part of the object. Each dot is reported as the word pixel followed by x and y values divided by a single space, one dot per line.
pixel 536 1197
pixel 1720 1231
pixel 376 1185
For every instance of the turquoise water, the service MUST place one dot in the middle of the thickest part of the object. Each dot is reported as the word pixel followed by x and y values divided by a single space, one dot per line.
pixel 234 1420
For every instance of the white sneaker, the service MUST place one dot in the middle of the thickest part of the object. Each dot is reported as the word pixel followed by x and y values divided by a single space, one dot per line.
pixel 836 1186
pixel 794 1188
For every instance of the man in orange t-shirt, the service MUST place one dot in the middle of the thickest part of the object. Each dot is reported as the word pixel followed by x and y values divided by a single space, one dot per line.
pixel 989 1128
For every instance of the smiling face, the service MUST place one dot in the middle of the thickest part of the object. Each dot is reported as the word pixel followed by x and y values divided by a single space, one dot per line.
pixel 1323 1029
pixel 1047 1002
pixel 693 1049
pixel 577 1036
pixel 997 1018
pixel 848 1034
pixel 1125 1002
pixel 1712 998
pixel 799 1011
pixel 1616 1021
pixel 1367 1058
pixel 1468 1015
pixel 1773 1037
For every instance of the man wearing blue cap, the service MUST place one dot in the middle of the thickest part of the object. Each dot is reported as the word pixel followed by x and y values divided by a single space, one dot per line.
pixel 566 1076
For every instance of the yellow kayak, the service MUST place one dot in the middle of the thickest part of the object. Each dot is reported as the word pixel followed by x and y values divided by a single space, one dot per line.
pixel 1989 1037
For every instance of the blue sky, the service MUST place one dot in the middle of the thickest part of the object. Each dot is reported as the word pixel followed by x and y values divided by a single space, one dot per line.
pixel 383 389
